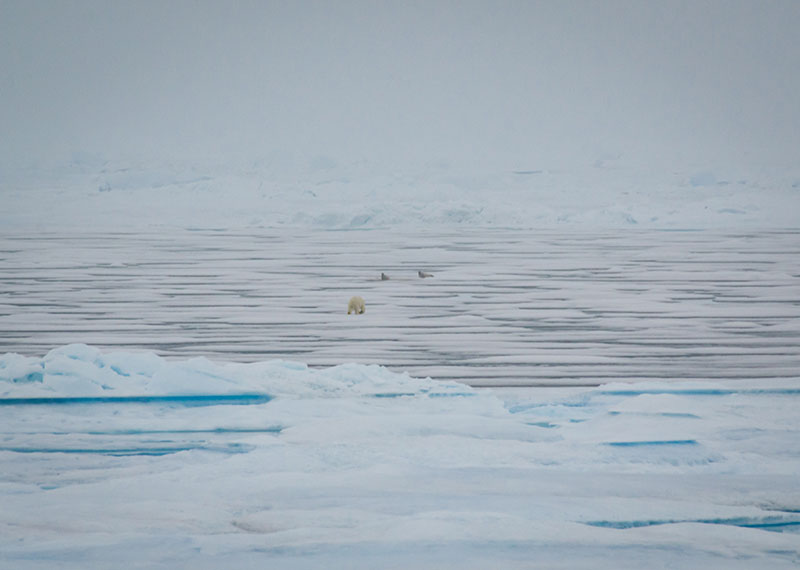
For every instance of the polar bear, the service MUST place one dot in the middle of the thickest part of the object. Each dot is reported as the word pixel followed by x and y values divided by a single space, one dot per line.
pixel 356 305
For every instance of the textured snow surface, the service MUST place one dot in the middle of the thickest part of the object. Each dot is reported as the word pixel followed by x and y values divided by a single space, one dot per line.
pixel 356 465
pixel 503 307
pixel 200 398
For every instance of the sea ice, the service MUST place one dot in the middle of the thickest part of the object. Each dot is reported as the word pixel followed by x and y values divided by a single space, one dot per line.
pixel 135 460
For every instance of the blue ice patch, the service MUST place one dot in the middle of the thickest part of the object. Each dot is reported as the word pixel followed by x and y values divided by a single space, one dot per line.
pixel 149 450
pixel 651 443
pixel 775 523
pixel 184 400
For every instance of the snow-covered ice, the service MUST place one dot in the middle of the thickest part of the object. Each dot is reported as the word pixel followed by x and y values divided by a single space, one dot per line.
pixel 602 372
pixel 590 379
pixel 200 398
pixel 268 192
pixel 109 459
pixel 505 306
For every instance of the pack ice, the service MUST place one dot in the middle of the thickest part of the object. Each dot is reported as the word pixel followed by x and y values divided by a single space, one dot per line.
pixel 121 459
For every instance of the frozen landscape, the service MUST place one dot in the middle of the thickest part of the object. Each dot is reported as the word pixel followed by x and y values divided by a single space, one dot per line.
pixel 575 226
pixel 575 399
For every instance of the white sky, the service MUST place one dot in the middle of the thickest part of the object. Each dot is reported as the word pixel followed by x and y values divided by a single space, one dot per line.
pixel 501 83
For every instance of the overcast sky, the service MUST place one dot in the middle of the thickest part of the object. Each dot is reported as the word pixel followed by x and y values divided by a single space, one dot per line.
pixel 514 84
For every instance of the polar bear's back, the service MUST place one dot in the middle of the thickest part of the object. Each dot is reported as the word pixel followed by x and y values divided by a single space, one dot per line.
pixel 356 305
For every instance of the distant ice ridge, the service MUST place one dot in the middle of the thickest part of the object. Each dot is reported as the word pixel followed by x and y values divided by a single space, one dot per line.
pixel 327 194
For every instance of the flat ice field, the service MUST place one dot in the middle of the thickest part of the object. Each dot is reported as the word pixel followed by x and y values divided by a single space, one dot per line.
pixel 547 399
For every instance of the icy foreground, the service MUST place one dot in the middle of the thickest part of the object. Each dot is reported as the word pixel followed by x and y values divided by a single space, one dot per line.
pixel 128 460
